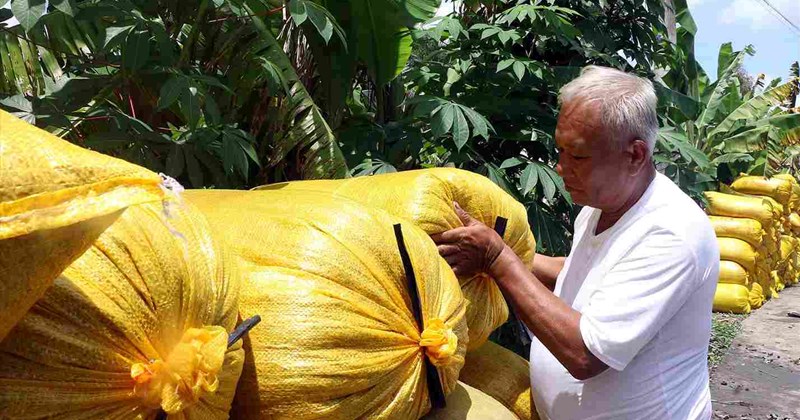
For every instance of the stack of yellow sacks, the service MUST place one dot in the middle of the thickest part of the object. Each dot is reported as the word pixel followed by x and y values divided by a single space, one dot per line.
pixel 108 312
pixel 753 222
pixel 314 219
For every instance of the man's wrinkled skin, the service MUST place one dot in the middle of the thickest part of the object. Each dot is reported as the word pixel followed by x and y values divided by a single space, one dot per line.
pixel 606 173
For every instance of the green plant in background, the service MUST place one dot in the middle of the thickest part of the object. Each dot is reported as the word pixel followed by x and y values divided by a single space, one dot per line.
pixel 204 90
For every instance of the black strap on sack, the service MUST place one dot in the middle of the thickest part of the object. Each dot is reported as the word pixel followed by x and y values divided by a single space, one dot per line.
pixel 435 390
pixel 233 337
pixel 500 225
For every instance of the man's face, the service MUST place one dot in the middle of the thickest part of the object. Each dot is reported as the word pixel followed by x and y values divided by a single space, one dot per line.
pixel 594 167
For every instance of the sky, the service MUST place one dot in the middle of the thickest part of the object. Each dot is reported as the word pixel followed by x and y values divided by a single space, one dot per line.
pixel 745 22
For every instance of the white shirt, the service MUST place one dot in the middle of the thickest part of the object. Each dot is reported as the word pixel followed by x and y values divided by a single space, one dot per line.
pixel 644 288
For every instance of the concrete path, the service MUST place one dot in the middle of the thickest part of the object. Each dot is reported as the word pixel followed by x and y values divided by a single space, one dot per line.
pixel 759 378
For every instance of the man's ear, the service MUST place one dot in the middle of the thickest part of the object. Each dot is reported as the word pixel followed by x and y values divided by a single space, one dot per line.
pixel 639 156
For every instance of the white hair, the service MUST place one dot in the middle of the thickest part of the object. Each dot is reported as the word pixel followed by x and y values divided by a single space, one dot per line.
pixel 627 102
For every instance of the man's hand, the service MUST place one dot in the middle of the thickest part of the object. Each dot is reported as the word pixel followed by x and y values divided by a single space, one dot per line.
pixel 471 249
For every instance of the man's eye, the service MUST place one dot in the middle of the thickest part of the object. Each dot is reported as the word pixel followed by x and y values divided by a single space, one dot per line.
pixel 580 157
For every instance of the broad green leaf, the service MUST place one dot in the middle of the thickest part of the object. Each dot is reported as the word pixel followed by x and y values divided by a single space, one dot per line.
pixel 212 110
pixel 715 99
pixel 460 128
pixel 504 64
pixel 442 120
pixel 115 34
pixel 297 8
pixel 136 51
pixel 756 108
pixel 529 178
pixel 325 23
pixel 453 76
pixel 272 74
pixel 171 90
pixel 480 126
pixel 724 58
pixel 747 141
pixel 65 6
pixel 732 157
pixel 190 106
pixel 519 69
pixel 28 12
pixel 511 162
pixel 548 184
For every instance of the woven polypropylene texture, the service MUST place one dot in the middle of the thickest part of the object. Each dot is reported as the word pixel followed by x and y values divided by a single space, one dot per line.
pixel 501 374
pixel 426 198
pixel 55 199
pixel 137 324
pixel 468 403
pixel 339 339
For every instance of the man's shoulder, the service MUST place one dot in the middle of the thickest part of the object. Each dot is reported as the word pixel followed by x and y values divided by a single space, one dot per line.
pixel 674 213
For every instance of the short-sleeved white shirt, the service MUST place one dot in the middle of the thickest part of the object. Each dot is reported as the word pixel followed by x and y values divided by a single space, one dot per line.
pixel 644 288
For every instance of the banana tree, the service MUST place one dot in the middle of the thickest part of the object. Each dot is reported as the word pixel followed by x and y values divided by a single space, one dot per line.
pixel 721 131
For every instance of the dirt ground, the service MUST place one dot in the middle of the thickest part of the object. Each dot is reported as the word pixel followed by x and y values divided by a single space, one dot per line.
pixel 759 378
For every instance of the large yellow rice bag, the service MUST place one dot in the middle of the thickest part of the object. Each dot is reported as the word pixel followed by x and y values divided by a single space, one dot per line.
pixel 732 298
pixel 733 273
pixel 794 199
pixel 339 340
pixel 138 323
pixel 738 251
pixel 756 295
pixel 777 188
pixel 794 222
pixel 501 374
pixel 468 403
pixel 748 230
pixel 720 204
pixel 426 198
pixel 55 199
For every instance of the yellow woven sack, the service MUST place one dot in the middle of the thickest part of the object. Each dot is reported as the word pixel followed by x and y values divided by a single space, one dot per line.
pixel 55 199
pixel 794 199
pixel 733 273
pixel 777 188
pixel 426 198
pixel 720 204
pixel 732 298
pixel 794 222
pixel 756 295
pixel 339 339
pixel 138 323
pixel 739 251
pixel 748 230
pixel 468 403
pixel 764 278
pixel 501 374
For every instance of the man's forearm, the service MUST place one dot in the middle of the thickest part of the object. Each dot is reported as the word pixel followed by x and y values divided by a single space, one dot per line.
pixel 550 319
pixel 546 269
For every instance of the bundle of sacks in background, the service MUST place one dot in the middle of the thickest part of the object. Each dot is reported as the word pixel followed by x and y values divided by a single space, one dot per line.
pixel 426 197
pixel 136 324
pixel 753 222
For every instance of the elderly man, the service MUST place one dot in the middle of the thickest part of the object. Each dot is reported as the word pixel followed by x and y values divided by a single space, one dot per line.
pixel 624 333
